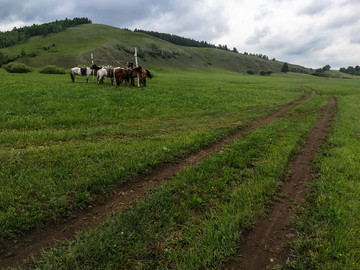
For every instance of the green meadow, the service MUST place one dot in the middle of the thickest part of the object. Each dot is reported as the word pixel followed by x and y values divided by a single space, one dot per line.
pixel 62 144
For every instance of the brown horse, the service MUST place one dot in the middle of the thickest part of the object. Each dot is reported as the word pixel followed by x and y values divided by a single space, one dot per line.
pixel 142 73
pixel 122 74
pixel 145 73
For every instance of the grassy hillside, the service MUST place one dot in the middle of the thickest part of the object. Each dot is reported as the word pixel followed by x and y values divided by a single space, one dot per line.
pixel 114 46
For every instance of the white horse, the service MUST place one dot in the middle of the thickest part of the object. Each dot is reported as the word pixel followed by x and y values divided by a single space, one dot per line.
pixel 106 71
pixel 83 71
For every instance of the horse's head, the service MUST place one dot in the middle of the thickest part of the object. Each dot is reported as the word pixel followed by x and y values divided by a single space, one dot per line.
pixel 129 64
pixel 95 67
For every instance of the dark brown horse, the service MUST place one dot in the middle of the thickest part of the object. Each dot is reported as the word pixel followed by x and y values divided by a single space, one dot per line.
pixel 122 74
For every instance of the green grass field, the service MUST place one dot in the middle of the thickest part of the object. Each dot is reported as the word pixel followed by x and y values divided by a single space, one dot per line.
pixel 61 144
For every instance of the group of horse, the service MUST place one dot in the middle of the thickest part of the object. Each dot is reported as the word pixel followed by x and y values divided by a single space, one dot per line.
pixel 117 75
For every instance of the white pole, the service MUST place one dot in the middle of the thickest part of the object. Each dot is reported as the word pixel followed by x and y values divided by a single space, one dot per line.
pixel 136 63
pixel 92 62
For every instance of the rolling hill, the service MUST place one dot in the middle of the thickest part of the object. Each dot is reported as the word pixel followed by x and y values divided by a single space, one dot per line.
pixel 114 46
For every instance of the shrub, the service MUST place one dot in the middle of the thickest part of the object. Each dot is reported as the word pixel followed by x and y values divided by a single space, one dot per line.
pixel 50 69
pixel 17 68
pixel 265 73
pixel 250 71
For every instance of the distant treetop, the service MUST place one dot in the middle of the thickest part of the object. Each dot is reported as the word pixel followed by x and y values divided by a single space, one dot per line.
pixel 18 35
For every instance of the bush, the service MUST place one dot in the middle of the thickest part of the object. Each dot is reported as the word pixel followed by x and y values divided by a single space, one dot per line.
pixel 52 70
pixel 250 71
pixel 265 73
pixel 17 68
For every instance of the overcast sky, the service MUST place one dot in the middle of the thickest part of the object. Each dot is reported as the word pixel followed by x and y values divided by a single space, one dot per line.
pixel 312 33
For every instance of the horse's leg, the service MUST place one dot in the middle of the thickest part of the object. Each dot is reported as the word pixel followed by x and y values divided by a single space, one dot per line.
pixel 72 77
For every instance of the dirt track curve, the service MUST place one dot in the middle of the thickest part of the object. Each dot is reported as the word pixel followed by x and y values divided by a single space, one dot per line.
pixel 14 251
pixel 264 246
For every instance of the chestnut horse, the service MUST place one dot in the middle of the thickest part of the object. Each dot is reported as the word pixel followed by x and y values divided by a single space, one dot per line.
pixel 145 73
pixel 122 74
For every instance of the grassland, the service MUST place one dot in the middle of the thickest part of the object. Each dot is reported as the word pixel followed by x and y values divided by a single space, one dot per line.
pixel 63 144
pixel 329 225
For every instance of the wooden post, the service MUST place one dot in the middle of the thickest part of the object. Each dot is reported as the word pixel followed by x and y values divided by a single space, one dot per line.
pixel 92 62
pixel 136 63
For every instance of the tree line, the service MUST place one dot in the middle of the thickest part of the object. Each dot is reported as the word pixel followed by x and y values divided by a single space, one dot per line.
pixel 351 70
pixel 189 42
pixel 177 40
pixel 18 35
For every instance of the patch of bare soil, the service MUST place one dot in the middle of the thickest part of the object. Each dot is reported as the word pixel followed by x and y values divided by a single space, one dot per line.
pixel 14 251
pixel 265 246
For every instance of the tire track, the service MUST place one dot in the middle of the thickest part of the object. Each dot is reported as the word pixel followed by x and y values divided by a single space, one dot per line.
pixel 265 246
pixel 14 251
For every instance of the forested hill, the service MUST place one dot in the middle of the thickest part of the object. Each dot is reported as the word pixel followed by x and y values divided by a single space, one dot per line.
pixel 177 39
pixel 22 34
pixel 60 44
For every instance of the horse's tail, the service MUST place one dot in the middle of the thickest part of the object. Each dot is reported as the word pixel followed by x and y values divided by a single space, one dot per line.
pixel 72 76
pixel 148 74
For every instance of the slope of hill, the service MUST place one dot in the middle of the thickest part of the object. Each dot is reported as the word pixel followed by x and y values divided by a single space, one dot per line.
pixel 114 46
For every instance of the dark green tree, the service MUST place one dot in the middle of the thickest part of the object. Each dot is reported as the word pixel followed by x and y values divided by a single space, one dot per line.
pixel 327 67
pixel 285 67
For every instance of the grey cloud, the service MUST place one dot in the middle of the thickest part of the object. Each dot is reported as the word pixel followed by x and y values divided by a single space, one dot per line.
pixel 342 22
pixel 355 40
pixel 119 13
pixel 185 18
pixel 258 36
pixel 312 45
pixel 315 7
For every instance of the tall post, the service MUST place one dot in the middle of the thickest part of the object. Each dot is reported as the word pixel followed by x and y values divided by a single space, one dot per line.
pixel 92 62
pixel 136 63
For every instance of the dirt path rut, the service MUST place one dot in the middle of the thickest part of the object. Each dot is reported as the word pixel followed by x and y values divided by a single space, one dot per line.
pixel 264 246
pixel 14 251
